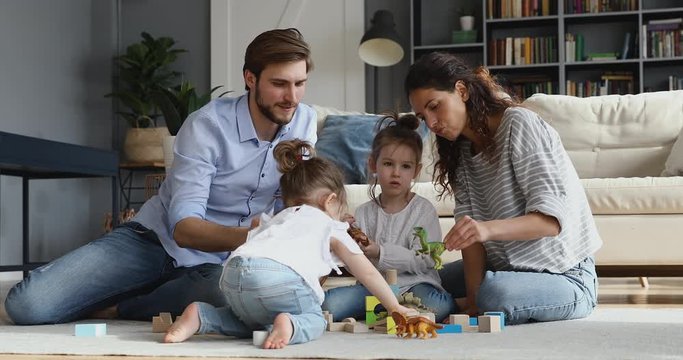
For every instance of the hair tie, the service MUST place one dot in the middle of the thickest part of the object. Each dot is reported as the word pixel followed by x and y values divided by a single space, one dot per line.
pixel 299 157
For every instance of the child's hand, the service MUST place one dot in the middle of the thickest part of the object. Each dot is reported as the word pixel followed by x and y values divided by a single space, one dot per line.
pixel 348 218
pixel 371 251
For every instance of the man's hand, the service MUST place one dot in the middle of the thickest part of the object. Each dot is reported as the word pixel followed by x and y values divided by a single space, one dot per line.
pixel 464 233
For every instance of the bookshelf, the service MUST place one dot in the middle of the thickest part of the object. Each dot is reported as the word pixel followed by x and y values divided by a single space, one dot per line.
pixel 574 47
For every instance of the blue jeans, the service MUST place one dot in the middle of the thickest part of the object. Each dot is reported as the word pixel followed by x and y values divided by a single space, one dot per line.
pixel 530 296
pixel 349 301
pixel 257 290
pixel 127 266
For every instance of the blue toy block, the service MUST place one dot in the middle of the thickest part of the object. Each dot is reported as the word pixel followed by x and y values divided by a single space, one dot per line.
pixel 474 321
pixel 395 289
pixel 450 329
pixel 500 314
pixel 84 330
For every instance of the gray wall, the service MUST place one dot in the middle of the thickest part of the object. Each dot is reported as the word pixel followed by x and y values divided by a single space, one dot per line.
pixel 55 68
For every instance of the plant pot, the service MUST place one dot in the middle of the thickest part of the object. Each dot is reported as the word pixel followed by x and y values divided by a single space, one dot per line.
pixel 168 152
pixel 467 22
pixel 145 145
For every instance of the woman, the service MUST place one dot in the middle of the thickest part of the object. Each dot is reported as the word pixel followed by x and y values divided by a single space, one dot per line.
pixel 522 219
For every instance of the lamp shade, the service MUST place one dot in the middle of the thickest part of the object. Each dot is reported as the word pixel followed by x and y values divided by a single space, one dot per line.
pixel 380 45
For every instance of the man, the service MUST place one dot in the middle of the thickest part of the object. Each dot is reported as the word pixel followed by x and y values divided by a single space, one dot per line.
pixel 223 176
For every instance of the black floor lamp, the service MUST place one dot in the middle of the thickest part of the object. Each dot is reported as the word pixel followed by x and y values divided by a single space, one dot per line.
pixel 380 47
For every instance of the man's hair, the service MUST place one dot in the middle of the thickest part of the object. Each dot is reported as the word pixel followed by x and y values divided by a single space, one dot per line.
pixel 276 46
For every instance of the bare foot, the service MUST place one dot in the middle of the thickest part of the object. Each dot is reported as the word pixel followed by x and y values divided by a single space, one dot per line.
pixel 281 333
pixel 108 313
pixel 185 325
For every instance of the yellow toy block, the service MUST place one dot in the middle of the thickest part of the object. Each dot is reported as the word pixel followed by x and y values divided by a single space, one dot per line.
pixel 371 303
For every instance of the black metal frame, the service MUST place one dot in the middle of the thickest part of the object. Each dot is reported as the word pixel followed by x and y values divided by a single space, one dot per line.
pixel 33 158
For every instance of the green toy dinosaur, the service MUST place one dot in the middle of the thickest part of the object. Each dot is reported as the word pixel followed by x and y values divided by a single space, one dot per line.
pixel 431 248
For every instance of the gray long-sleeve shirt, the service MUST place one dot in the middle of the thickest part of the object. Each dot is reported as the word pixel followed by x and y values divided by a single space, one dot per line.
pixel 394 235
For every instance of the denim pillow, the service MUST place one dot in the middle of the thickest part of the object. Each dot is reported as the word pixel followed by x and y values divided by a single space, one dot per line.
pixel 346 140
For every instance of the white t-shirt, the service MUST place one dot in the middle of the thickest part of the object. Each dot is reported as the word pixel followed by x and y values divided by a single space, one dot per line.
pixel 299 237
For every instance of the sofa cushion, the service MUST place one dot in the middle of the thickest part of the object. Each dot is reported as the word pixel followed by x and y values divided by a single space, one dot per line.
pixel 614 135
pixel 645 195
pixel 346 141
pixel 674 163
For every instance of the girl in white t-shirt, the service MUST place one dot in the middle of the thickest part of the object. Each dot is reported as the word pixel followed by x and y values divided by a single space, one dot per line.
pixel 389 220
pixel 272 281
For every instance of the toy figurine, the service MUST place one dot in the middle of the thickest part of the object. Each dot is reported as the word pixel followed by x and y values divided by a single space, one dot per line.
pixel 415 325
pixel 432 248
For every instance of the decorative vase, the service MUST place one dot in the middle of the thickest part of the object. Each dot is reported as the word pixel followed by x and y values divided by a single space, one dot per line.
pixel 467 22
pixel 168 152
pixel 144 145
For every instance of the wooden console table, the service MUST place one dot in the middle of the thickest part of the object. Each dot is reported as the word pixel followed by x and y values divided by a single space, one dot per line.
pixel 33 158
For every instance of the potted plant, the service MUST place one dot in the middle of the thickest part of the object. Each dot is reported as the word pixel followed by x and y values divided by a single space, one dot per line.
pixel 176 104
pixel 144 68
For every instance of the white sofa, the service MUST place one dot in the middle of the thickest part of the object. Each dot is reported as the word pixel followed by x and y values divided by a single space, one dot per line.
pixel 619 146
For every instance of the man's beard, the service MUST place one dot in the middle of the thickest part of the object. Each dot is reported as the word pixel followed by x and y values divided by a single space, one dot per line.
pixel 268 112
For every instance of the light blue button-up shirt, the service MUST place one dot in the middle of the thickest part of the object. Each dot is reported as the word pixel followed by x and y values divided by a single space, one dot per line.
pixel 221 173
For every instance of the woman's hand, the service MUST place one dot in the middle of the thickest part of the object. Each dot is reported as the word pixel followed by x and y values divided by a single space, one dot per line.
pixel 466 232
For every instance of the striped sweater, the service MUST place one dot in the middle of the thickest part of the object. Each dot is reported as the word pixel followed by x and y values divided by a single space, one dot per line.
pixel 530 172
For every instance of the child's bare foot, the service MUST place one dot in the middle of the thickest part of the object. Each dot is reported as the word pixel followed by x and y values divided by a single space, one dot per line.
pixel 282 332
pixel 185 325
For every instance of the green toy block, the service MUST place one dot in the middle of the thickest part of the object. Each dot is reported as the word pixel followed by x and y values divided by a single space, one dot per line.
pixel 370 318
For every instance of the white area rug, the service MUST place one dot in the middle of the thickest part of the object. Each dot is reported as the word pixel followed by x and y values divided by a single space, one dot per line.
pixel 610 333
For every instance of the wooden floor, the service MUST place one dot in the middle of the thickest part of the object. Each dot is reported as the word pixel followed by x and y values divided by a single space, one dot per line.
pixel 613 292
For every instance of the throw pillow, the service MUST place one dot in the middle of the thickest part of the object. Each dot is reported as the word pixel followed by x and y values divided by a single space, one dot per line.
pixel 674 163
pixel 346 140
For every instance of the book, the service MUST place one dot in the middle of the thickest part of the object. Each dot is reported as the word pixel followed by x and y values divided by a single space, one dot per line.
pixel 626 47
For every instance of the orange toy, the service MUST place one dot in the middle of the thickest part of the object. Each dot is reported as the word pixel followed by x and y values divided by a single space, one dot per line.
pixel 414 325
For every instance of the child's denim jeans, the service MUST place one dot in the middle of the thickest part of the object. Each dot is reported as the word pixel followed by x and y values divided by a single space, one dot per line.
pixel 349 301
pixel 258 289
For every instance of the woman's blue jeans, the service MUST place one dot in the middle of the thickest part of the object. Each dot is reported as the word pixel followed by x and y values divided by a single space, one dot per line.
pixel 349 301
pixel 257 290
pixel 127 266
pixel 530 296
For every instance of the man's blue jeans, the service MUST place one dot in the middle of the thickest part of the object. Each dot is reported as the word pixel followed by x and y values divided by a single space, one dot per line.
pixel 257 290
pixel 349 301
pixel 127 266
pixel 530 296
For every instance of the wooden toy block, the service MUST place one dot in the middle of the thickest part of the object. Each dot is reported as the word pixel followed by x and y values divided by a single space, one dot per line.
pixel 161 323
pixel 385 326
pixel 328 317
pixel 166 317
pixel 355 327
pixel 391 276
pixel 460 319
pixel 370 318
pixel 501 315
pixel 87 330
pixel 336 326
pixel 380 329
pixel 259 336
pixel 349 320
pixel 371 303
pixel 450 329
pixel 489 323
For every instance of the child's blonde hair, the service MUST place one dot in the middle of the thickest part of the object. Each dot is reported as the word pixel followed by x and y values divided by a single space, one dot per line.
pixel 303 174
pixel 395 130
